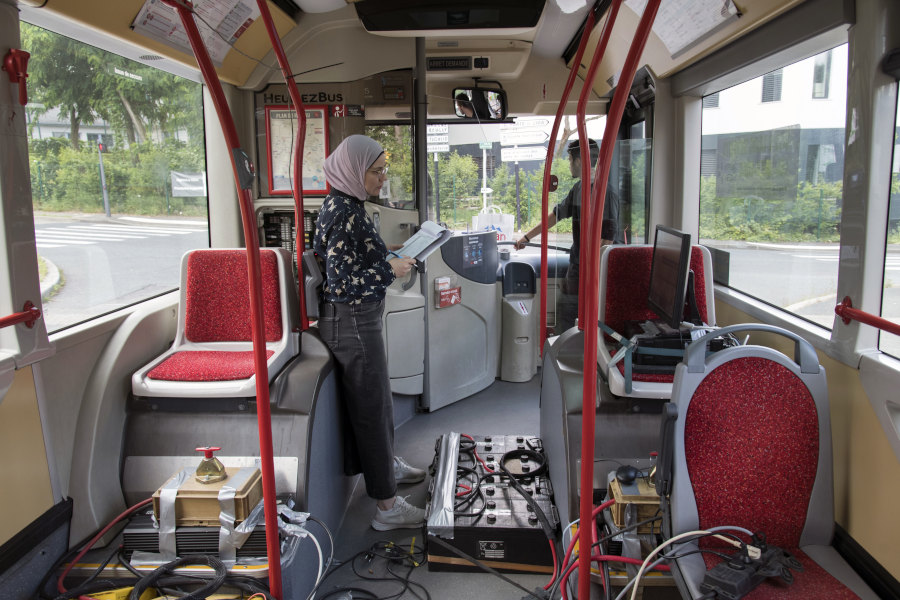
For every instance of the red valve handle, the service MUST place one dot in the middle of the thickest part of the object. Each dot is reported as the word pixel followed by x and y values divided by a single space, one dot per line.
pixel 16 64
pixel 208 450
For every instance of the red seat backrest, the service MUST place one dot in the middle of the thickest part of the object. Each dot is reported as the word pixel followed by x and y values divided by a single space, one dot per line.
pixel 628 285
pixel 217 297
pixel 751 444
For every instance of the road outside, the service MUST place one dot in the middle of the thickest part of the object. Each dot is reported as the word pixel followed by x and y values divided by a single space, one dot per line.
pixel 107 263
pixel 801 278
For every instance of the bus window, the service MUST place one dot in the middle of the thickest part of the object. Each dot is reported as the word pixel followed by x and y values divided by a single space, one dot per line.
pixel 396 139
pixel 118 177
pixel 771 183
pixel 890 300
pixel 490 175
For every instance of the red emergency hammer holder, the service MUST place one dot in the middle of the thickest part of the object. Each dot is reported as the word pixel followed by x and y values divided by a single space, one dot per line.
pixel 15 63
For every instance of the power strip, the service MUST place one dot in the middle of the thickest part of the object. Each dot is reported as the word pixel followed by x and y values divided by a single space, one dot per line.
pixel 737 577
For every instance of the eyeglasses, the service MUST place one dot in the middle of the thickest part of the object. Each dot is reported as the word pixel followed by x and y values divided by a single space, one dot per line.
pixel 379 172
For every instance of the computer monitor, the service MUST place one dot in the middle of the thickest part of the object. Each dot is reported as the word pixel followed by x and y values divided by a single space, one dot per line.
pixel 669 274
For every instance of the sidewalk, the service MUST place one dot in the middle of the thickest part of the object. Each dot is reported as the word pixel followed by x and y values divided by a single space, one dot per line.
pixel 50 280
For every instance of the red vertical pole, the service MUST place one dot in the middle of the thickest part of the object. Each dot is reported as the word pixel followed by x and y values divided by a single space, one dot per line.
pixel 591 275
pixel 584 149
pixel 299 140
pixel 243 177
pixel 548 167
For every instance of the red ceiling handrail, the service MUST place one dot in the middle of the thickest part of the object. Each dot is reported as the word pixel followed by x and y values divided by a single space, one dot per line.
pixel 591 275
pixel 29 316
pixel 583 146
pixel 847 313
pixel 243 177
pixel 299 140
pixel 548 166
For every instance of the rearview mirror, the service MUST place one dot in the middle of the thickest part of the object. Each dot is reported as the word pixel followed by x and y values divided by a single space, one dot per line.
pixel 478 103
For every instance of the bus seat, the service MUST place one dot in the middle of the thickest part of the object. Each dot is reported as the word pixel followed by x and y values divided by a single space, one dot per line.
pixel 212 355
pixel 313 277
pixel 624 286
pixel 751 447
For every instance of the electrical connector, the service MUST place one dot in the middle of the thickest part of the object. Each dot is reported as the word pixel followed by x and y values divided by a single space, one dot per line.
pixel 537 593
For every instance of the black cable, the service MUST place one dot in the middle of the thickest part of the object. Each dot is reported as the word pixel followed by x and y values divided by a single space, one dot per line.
pixel 211 561
pixel 478 563
pixel 631 527
pixel 350 589
pixel 127 564
pixel 79 589
pixel 538 457
pixel 380 579
pixel 330 539
pixel 409 582
pixel 59 562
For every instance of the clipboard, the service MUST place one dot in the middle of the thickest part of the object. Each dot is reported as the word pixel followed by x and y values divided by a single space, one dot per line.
pixel 426 240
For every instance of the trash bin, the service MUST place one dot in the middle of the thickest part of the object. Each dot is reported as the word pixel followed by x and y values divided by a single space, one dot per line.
pixel 519 345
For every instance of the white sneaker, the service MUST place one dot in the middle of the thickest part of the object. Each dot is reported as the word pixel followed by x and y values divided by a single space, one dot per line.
pixel 402 515
pixel 406 473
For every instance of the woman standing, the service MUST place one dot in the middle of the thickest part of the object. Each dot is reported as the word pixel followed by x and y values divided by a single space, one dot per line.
pixel 357 274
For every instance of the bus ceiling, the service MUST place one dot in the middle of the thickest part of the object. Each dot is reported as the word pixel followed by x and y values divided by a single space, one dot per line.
pixel 495 39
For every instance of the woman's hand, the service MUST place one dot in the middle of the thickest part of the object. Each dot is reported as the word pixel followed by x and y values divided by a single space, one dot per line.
pixel 401 266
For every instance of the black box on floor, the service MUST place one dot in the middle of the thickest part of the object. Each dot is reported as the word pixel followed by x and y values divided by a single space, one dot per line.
pixel 501 529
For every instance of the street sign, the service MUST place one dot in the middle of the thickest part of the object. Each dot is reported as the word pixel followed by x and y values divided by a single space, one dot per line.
pixel 523 153
pixel 485 145
pixel 438 139
pixel 487 190
pixel 439 128
pixel 521 138
pixel 532 122
pixel 438 147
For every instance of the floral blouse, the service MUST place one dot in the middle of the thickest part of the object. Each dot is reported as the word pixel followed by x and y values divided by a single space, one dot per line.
pixel 355 256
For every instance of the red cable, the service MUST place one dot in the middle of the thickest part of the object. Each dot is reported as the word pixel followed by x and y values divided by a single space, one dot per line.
pixel 597 510
pixel 475 452
pixel 465 487
pixel 59 584
pixel 606 558
pixel 555 564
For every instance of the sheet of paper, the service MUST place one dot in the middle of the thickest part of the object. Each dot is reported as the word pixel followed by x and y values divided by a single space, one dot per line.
pixel 681 24
pixel 216 19
pixel 427 234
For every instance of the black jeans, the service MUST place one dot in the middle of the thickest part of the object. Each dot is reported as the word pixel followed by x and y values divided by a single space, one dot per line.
pixel 567 301
pixel 353 333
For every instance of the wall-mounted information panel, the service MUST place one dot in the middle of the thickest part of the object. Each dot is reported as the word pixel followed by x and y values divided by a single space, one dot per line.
pixel 281 134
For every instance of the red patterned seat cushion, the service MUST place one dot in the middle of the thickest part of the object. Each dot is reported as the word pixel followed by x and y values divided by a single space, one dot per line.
pixel 217 297
pixel 206 365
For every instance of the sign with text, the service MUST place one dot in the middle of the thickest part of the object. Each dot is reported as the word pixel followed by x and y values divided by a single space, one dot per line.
pixel 520 138
pixel 438 148
pixel 523 153
pixel 449 297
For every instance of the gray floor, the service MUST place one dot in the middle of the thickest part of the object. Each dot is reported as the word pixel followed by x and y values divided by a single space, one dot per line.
pixel 507 408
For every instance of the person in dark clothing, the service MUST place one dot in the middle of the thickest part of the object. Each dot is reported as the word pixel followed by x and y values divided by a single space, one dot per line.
pixel 570 207
pixel 357 275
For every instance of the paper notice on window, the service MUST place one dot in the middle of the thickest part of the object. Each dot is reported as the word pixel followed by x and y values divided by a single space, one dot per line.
pixel 680 25
pixel 220 22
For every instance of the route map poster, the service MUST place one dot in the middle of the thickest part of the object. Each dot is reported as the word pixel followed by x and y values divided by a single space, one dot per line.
pixel 281 128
